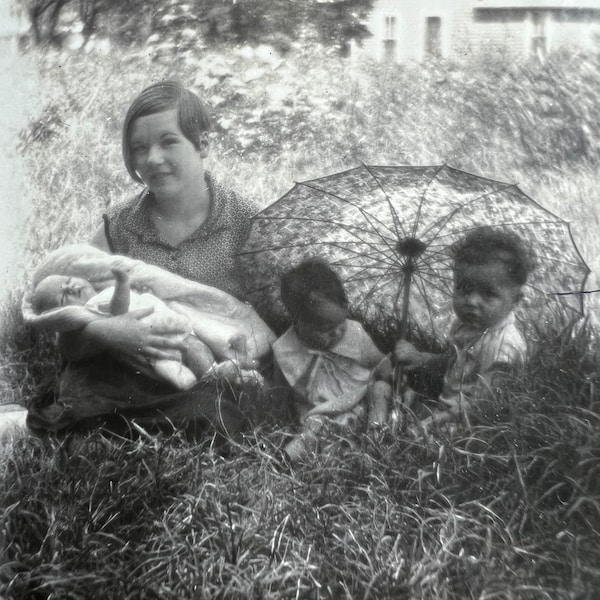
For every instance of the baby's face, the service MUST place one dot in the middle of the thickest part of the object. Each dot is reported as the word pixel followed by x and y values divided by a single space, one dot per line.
pixel 60 290
pixel 484 294
pixel 321 336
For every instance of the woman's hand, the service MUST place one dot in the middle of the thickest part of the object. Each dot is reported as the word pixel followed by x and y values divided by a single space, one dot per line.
pixel 125 334
pixel 132 337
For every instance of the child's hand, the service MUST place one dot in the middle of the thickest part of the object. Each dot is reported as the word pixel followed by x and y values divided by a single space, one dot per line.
pixel 407 355
pixel 384 371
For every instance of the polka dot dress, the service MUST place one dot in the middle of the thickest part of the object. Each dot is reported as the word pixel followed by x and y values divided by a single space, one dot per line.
pixel 207 256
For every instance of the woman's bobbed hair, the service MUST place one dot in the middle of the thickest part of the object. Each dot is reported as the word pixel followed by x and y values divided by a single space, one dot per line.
pixel 192 115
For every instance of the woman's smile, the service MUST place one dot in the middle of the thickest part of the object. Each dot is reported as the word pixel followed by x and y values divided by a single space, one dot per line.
pixel 158 178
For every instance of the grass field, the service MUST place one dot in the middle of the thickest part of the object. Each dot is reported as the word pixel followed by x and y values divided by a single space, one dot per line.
pixel 507 509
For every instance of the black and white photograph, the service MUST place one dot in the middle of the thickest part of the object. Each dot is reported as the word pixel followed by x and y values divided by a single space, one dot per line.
pixel 300 299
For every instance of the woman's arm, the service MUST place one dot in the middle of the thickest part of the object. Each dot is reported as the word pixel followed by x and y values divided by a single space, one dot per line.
pixel 100 241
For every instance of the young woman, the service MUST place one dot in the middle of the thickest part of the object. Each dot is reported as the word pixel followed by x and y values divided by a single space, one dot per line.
pixel 183 221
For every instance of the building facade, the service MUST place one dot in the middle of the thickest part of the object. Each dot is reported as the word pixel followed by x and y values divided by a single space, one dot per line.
pixel 404 30
pixel 12 25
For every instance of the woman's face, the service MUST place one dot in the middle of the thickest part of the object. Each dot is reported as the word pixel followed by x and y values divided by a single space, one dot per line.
pixel 167 162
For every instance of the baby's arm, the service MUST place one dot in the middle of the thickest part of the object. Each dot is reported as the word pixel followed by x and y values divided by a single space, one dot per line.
pixel 119 303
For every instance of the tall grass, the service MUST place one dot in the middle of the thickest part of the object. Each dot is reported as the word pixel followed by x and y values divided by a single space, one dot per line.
pixel 509 508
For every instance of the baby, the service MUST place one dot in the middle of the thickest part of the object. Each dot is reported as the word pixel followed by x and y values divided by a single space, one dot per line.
pixel 490 268
pixel 327 359
pixel 197 361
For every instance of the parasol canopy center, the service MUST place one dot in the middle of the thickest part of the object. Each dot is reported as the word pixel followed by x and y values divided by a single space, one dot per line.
pixel 410 247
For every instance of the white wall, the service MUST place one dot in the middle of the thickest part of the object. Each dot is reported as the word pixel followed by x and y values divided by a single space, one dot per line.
pixel 466 30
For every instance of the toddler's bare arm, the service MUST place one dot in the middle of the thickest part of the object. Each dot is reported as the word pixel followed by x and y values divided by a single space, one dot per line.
pixel 407 356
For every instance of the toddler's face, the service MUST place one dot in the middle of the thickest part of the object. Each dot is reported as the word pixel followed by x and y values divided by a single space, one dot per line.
pixel 321 336
pixel 59 290
pixel 484 294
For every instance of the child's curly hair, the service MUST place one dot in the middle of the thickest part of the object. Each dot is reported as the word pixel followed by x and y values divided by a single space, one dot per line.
pixel 299 284
pixel 488 244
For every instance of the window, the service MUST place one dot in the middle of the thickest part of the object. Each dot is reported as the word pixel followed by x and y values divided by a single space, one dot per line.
pixel 538 39
pixel 390 28
pixel 389 39
pixel 433 37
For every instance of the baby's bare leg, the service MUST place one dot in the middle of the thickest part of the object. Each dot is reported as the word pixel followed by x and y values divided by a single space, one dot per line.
pixel 197 356
pixel 119 303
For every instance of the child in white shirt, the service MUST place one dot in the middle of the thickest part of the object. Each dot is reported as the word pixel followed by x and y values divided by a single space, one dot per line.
pixel 327 359
pixel 490 268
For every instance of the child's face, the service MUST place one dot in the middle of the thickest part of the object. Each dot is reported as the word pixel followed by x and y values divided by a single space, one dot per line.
pixel 484 294
pixel 59 290
pixel 321 336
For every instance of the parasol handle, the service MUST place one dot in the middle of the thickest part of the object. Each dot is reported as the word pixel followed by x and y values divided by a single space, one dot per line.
pixel 398 381
pixel 406 284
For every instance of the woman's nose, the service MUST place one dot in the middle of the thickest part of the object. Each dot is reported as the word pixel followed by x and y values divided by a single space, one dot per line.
pixel 155 155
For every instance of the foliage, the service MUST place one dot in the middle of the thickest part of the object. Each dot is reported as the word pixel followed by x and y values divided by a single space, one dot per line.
pixel 283 119
pixel 188 23
pixel 43 15
pixel 507 508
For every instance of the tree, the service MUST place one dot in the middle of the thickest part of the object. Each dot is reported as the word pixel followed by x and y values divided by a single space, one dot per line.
pixel 332 22
pixel 88 12
pixel 340 21
pixel 43 16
